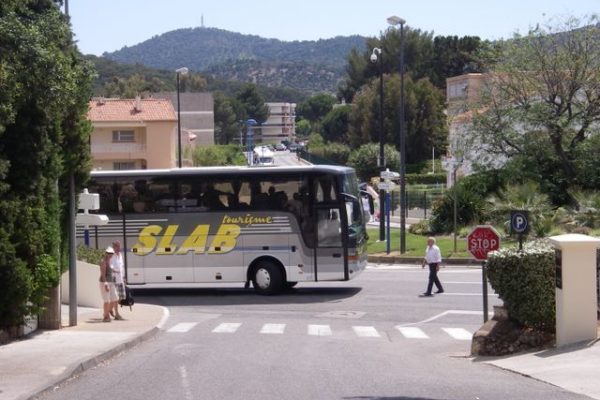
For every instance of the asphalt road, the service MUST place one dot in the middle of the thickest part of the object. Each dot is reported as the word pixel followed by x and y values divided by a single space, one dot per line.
pixel 370 338
pixel 286 158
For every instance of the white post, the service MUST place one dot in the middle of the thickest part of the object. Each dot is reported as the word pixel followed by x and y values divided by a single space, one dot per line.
pixel 576 302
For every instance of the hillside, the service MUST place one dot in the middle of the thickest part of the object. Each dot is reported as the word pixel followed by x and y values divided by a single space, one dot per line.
pixel 309 66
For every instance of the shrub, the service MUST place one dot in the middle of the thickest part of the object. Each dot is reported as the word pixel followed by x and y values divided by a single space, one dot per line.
pixel 420 228
pixel 524 280
pixel 471 192
pixel 89 255
pixel 426 178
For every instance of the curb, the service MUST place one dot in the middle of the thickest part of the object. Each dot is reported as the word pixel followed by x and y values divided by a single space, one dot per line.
pixel 100 358
pixel 385 259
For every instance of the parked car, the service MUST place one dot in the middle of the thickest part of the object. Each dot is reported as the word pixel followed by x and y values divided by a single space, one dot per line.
pixel 280 147
pixel 293 147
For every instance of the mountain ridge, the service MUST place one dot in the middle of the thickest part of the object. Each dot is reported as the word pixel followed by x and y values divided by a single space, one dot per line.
pixel 310 66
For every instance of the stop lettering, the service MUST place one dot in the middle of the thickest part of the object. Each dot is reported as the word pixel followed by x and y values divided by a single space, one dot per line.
pixel 482 240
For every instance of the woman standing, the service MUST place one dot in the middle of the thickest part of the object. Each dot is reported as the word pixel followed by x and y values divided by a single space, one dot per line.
pixel 107 284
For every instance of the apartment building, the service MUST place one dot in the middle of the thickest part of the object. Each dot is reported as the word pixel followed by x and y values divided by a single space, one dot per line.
pixel 462 92
pixel 133 134
pixel 197 116
pixel 280 125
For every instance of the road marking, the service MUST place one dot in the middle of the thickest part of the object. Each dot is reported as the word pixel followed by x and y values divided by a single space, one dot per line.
pixel 182 327
pixel 185 383
pixel 412 332
pixel 458 333
pixel 227 327
pixel 365 331
pixel 319 330
pixel 273 329
pixel 443 314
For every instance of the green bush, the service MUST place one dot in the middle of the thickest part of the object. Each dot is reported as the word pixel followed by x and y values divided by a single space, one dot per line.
pixel 89 255
pixel 472 207
pixel 428 179
pixel 524 280
pixel 420 228
pixel 45 277
pixel 16 283
pixel 218 155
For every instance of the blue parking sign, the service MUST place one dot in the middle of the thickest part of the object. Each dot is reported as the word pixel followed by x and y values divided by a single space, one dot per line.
pixel 519 221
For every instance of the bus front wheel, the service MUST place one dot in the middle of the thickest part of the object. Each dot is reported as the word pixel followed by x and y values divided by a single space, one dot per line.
pixel 267 278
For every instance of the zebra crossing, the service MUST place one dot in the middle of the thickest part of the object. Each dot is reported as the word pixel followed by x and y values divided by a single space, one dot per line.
pixel 360 331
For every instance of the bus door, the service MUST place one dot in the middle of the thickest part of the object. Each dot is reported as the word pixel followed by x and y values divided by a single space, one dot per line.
pixel 329 251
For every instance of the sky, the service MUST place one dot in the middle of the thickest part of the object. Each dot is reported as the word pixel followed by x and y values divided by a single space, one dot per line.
pixel 108 25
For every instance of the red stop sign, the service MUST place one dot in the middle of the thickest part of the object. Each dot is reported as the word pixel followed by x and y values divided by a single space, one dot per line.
pixel 482 240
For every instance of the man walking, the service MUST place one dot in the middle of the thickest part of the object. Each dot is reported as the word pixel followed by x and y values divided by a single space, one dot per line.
pixel 433 258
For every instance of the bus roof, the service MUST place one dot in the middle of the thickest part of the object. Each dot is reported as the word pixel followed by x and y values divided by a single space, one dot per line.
pixel 245 170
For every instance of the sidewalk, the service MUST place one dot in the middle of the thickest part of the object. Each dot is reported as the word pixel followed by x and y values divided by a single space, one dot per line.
pixel 46 358
pixel 575 368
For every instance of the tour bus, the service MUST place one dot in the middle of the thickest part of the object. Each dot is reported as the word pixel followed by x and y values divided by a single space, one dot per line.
pixel 263 156
pixel 272 227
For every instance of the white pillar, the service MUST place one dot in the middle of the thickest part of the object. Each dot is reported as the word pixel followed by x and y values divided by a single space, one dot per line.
pixel 576 302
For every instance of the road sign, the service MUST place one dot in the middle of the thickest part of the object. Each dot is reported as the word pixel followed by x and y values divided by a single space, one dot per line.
pixel 482 240
pixel 519 221
pixel 387 174
pixel 387 186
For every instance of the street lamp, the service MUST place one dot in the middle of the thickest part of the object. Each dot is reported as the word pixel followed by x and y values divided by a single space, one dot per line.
pixel 249 124
pixel 381 162
pixel 179 71
pixel 399 21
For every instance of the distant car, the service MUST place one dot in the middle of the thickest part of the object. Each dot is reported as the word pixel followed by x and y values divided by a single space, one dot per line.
pixel 293 147
pixel 280 147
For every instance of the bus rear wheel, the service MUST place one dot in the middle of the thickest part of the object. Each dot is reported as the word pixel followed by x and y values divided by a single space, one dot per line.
pixel 267 278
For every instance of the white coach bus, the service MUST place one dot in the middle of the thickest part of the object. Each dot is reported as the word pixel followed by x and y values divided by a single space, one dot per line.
pixel 272 227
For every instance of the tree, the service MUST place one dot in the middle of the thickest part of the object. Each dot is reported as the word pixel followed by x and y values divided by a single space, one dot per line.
pixel 253 103
pixel 425 118
pixel 425 56
pixel 364 160
pixel 542 104
pixel 45 86
pixel 303 128
pixel 335 124
pixel 227 117
pixel 315 108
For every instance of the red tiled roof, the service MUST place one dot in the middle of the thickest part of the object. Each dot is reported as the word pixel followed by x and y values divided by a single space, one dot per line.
pixel 108 110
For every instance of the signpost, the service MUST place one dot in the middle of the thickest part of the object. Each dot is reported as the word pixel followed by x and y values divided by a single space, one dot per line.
pixel 519 224
pixel 388 186
pixel 482 240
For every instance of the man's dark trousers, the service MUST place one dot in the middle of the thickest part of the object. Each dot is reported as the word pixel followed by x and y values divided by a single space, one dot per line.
pixel 433 278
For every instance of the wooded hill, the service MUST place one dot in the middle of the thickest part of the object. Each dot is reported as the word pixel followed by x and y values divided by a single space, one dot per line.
pixel 309 66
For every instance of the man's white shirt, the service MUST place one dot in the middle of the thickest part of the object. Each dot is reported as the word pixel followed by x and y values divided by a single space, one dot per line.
pixel 433 255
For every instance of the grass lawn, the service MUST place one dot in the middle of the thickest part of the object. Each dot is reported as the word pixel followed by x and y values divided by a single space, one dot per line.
pixel 415 244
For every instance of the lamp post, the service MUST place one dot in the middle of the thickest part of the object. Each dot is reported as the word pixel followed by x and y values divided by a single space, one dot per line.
pixel 394 20
pixel 381 162
pixel 249 124
pixel 179 71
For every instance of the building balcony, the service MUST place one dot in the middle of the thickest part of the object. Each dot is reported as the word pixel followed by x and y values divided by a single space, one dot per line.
pixel 118 148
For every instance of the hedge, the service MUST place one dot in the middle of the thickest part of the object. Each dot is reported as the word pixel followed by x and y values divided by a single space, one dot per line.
pixel 428 179
pixel 524 280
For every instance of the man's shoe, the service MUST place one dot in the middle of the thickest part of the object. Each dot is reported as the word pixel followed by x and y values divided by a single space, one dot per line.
pixel 439 291
pixel 426 295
